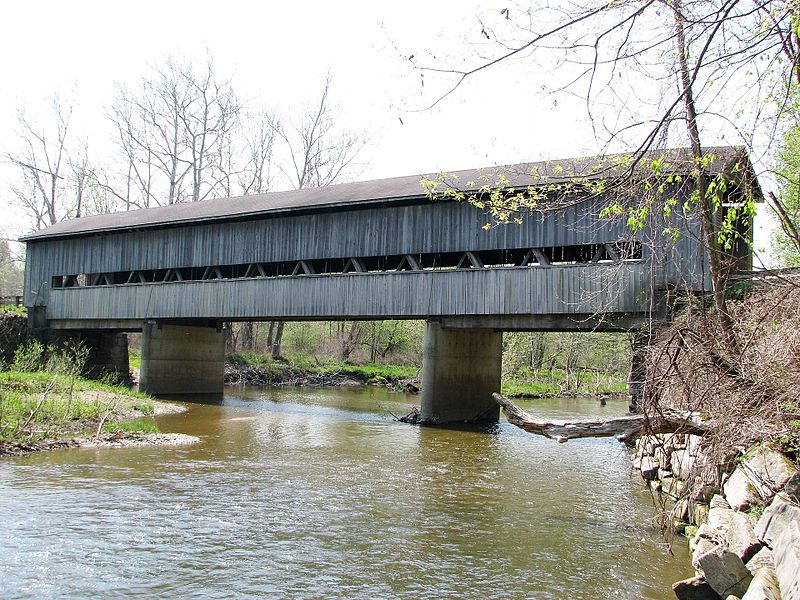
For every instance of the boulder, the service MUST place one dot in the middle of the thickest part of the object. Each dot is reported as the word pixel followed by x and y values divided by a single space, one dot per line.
pixel 662 455
pixel 719 515
pixel 695 588
pixel 740 491
pixel 672 486
pixel 792 488
pixel 702 546
pixel 740 537
pixel 776 519
pixel 762 558
pixel 764 586
pixel 682 463
pixel 649 467
pixel 767 469
pixel 787 560
pixel 725 572
pixel 699 513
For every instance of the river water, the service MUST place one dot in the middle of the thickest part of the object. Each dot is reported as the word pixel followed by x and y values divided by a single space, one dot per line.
pixel 318 493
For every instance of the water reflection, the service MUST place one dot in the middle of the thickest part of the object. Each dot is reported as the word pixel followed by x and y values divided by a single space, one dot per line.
pixel 319 493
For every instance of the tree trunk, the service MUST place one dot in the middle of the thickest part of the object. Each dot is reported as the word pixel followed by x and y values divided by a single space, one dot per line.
pixel 625 428
pixel 276 344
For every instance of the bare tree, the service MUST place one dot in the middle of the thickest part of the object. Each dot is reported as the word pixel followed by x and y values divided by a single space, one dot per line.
pixel 319 150
pixel 319 154
pixel 41 161
pixel 644 66
pixel 171 131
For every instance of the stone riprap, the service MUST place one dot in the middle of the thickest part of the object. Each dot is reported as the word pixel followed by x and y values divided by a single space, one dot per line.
pixel 744 535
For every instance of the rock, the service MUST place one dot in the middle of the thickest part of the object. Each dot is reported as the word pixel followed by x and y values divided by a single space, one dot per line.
pixel 719 515
pixel 740 491
pixel 682 464
pixel 762 558
pixel 792 488
pixel 740 537
pixel 776 519
pixel 655 486
pixel 732 597
pixel 664 473
pixel 672 486
pixel 704 532
pixel 764 586
pixel 702 546
pixel 702 492
pixel 663 457
pixel 695 588
pixel 649 467
pixel 787 560
pixel 767 469
pixel 718 501
pixel 698 513
pixel 725 572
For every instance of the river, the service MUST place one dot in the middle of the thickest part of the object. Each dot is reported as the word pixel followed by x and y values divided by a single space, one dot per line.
pixel 318 493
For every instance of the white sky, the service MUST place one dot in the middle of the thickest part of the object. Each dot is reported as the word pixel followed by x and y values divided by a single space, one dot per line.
pixel 277 54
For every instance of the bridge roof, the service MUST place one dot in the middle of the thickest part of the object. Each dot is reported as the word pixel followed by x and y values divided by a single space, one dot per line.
pixel 344 196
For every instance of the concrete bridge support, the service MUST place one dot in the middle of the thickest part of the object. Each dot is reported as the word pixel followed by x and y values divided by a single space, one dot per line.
pixel 106 352
pixel 182 359
pixel 461 368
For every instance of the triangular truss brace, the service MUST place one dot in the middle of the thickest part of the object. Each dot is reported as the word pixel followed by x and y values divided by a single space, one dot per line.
pixel 470 260
pixel 212 273
pixel 255 270
pixel 99 279
pixel 136 277
pixel 303 268
pixel 409 263
pixel 535 256
pixel 173 275
pixel 354 265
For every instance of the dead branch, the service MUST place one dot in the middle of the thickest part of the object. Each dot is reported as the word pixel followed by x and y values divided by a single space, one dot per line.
pixel 625 428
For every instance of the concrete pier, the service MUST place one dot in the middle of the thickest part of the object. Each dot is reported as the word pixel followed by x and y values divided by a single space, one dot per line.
pixel 461 368
pixel 182 359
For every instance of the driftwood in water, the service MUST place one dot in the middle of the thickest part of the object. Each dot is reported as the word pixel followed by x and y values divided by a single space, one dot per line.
pixel 625 428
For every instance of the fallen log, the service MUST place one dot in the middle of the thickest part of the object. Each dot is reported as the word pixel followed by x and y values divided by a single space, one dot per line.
pixel 625 428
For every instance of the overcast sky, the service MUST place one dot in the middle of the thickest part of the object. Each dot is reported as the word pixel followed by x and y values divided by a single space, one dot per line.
pixel 277 54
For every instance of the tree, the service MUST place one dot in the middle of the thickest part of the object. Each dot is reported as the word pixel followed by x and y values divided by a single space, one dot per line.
pixel 173 132
pixel 642 67
pixel 318 154
pixel 55 175
pixel 786 240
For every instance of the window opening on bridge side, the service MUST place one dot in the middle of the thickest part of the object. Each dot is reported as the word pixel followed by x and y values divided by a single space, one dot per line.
pixel 542 257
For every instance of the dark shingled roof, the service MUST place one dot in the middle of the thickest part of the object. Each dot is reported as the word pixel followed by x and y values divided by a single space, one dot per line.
pixel 364 193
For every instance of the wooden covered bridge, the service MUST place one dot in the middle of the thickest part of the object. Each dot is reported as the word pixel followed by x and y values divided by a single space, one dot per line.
pixel 368 250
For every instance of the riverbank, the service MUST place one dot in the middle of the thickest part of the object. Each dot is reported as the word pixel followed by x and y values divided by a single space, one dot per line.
pixel 46 411
pixel 255 369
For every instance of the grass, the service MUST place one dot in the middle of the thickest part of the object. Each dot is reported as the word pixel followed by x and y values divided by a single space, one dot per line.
pixel 39 405
pixel 134 359
pixel 139 426
pixel 554 382
pixel 300 365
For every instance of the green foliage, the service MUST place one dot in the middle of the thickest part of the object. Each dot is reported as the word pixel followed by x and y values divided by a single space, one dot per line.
pixel 139 426
pixel 37 405
pixel 788 173
pixel 16 310
pixel 134 359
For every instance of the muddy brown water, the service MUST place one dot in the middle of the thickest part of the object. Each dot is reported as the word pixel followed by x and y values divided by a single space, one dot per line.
pixel 318 493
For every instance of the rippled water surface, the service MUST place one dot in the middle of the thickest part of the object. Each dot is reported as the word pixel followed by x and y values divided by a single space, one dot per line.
pixel 304 493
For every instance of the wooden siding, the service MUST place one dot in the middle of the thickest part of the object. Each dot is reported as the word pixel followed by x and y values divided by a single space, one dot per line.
pixel 620 288
pixel 424 228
